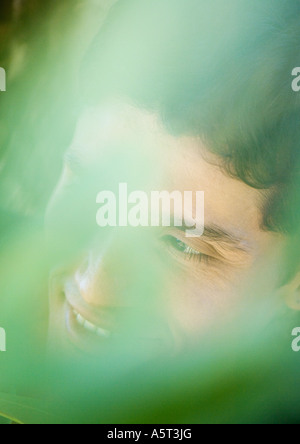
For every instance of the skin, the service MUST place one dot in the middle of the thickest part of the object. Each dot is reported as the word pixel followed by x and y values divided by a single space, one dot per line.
pixel 202 281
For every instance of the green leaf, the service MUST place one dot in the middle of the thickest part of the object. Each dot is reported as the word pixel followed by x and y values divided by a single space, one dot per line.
pixel 24 410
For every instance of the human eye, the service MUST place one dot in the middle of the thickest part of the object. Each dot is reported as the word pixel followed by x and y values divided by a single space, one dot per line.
pixel 183 251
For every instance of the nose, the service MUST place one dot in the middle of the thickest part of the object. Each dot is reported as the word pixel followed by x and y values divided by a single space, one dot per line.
pixel 116 274
pixel 96 282
pixel 110 281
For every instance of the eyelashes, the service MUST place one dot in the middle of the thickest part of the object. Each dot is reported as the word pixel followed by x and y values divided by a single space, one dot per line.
pixel 184 251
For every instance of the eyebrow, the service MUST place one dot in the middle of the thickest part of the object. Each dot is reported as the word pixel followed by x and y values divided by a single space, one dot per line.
pixel 214 233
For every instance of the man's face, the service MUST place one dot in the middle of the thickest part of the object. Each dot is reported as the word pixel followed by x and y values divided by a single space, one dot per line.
pixel 200 281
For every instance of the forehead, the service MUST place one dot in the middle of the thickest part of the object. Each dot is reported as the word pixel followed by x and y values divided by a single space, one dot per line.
pixel 180 163
pixel 113 124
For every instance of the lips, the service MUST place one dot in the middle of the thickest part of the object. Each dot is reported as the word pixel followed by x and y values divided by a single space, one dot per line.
pixel 92 328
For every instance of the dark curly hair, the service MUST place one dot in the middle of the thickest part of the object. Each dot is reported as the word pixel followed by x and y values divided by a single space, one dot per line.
pixel 219 70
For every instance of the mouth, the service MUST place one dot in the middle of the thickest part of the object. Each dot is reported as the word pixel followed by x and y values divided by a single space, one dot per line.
pixel 87 326
pixel 90 327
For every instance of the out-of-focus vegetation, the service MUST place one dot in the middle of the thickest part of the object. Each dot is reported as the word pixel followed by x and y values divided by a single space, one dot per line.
pixel 246 374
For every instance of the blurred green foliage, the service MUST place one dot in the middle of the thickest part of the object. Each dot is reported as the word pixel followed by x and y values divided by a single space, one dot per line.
pixel 245 374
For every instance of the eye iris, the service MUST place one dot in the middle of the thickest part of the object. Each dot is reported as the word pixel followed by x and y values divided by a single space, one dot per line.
pixel 180 245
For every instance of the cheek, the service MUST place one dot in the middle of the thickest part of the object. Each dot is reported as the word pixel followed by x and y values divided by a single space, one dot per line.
pixel 195 305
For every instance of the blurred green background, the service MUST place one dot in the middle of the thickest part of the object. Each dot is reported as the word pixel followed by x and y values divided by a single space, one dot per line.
pixel 246 374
